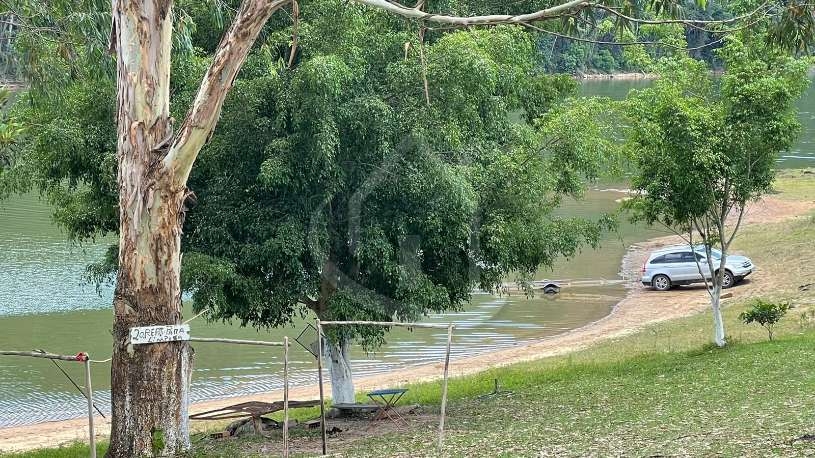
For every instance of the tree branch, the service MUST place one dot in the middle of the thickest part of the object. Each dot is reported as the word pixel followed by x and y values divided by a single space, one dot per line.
pixel 689 22
pixel 742 208
pixel 704 236
pixel 310 303
pixel 200 121
pixel 295 34
pixel 416 13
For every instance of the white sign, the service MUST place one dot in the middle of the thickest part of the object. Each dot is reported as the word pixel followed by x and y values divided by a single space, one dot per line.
pixel 163 333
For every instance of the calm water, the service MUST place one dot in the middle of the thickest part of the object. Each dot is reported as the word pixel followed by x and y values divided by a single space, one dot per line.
pixel 44 304
pixel 802 155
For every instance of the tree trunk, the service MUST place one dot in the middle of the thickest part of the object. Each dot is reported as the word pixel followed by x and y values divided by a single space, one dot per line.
pixel 338 360
pixel 715 302
pixel 149 383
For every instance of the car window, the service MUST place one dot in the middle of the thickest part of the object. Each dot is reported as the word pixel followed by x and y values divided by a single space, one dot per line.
pixel 658 260
pixel 700 256
pixel 668 258
pixel 688 257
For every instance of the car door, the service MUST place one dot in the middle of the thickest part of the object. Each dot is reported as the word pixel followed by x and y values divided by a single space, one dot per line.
pixel 672 265
pixel 703 265
pixel 690 270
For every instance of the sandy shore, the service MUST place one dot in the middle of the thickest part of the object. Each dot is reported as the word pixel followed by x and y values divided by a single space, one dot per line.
pixel 633 313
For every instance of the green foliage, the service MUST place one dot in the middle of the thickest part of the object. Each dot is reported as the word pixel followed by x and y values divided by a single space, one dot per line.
pixel 10 132
pixel 70 157
pixel 765 313
pixel 699 145
pixel 604 61
pixel 333 186
pixel 157 440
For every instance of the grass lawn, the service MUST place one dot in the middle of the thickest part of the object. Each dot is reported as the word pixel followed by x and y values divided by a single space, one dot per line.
pixel 663 391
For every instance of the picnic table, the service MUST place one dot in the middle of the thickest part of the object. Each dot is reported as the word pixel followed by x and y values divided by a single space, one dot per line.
pixel 386 400
pixel 253 409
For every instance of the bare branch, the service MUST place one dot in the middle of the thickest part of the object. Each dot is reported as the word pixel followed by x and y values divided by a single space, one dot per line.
pixel 310 303
pixel 295 13
pixel 624 43
pixel 742 209
pixel 416 13
pixel 689 22
pixel 200 121
pixel 424 66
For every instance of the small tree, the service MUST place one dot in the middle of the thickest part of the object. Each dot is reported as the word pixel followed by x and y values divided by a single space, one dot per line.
pixel 765 313
pixel 706 149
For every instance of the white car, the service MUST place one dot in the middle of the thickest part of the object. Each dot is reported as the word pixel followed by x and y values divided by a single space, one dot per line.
pixel 676 265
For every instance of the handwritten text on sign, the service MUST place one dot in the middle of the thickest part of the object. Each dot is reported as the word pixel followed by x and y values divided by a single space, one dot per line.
pixel 163 333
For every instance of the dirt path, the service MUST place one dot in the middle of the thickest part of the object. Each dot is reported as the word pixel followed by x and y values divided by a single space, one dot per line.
pixel 633 313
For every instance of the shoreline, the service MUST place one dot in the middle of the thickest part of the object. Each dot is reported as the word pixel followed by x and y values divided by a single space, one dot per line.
pixel 634 312
pixel 629 76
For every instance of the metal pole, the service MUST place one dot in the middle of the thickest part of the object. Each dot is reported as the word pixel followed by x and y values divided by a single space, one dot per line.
pixel 320 380
pixel 89 392
pixel 286 397
pixel 444 387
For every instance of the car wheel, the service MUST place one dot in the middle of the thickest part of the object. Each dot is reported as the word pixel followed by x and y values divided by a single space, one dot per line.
pixel 727 280
pixel 661 282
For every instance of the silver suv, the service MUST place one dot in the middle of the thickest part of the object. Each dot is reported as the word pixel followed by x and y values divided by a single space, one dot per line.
pixel 676 265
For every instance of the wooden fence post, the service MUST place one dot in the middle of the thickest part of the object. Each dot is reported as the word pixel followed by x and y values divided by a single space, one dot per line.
pixel 89 395
pixel 320 380
pixel 444 387
pixel 286 397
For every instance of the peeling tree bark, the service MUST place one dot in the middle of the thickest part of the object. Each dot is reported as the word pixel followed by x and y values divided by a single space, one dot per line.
pixel 150 383
pixel 203 115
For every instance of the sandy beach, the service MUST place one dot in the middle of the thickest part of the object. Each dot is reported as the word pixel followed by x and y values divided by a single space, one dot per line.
pixel 637 310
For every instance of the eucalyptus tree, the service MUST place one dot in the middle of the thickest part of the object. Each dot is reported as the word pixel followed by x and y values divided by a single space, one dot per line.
pixel 706 149
pixel 154 157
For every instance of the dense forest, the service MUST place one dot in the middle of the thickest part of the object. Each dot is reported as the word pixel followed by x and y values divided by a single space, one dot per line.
pixel 604 48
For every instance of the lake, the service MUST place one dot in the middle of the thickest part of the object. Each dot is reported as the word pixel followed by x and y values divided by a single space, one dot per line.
pixel 802 155
pixel 44 304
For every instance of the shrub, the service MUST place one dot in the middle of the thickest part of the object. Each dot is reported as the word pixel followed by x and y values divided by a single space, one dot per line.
pixel 765 313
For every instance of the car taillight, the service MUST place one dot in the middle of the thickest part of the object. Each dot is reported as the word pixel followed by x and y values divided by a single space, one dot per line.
pixel 643 265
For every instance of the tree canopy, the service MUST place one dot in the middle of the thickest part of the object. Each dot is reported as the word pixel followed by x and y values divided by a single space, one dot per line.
pixel 340 165
pixel 705 148
pixel 332 185
pixel 700 142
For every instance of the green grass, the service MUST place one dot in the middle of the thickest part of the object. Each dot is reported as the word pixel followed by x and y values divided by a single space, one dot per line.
pixel 796 184
pixel 661 391
pixel 746 400
pixel 77 450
